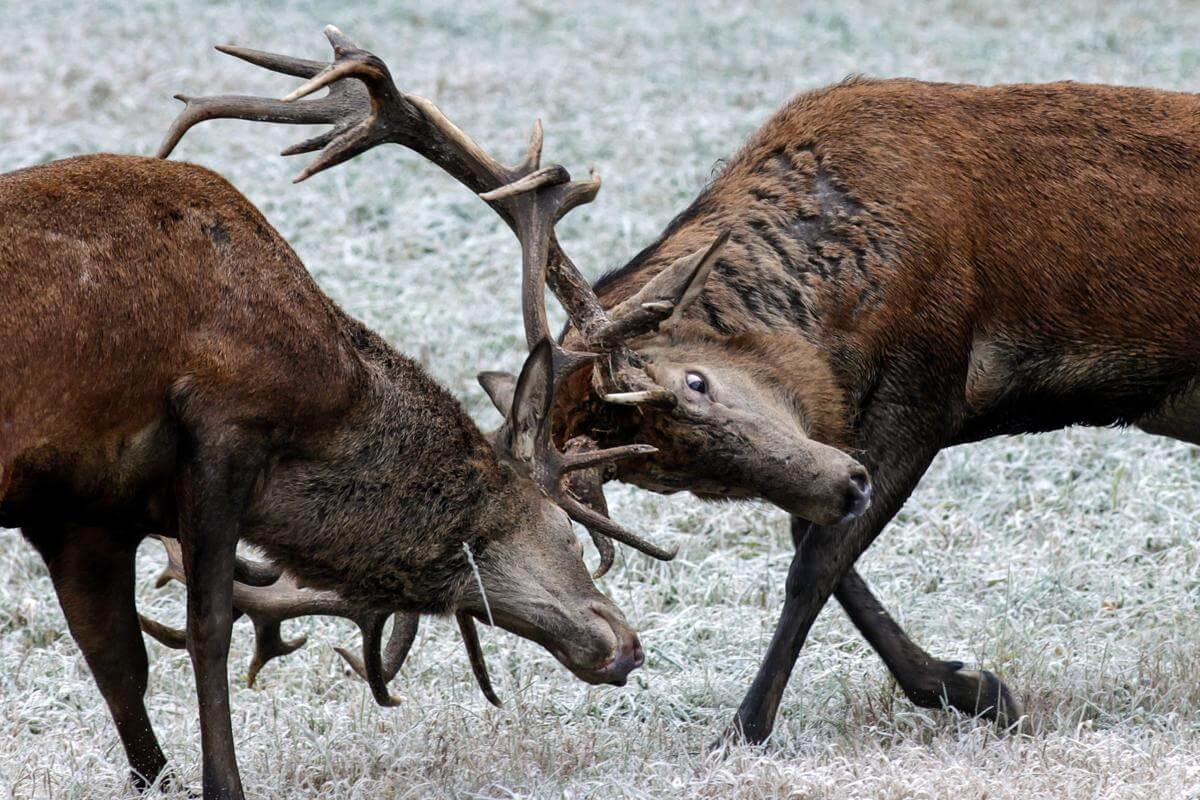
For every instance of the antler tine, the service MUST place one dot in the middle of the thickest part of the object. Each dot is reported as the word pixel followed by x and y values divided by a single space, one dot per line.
pixel 173 638
pixel 658 299
pixel 587 485
pixel 287 65
pixel 372 630
pixel 603 526
pixel 344 106
pixel 470 637
pixel 254 573
pixel 594 458
pixel 403 119
pixel 268 607
pixel 400 642
pixel 269 644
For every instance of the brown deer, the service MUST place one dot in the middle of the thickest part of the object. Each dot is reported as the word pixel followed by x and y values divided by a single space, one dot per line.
pixel 909 266
pixel 171 368
pixel 917 266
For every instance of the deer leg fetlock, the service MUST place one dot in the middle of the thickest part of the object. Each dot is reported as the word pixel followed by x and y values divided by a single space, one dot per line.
pixel 979 693
pixel 927 681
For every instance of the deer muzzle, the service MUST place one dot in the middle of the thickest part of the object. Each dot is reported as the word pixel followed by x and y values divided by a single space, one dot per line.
pixel 627 654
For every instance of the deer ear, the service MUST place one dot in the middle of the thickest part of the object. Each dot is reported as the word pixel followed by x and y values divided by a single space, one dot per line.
pixel 500 387
pixel 692 273
pixel 670 292
pixel 528 420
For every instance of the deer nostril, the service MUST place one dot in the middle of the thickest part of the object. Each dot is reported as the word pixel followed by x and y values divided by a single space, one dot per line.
pixel 858 495
pixel 624 661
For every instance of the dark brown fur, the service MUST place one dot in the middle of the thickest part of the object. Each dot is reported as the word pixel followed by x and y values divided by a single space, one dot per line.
pixel 171 367
pixel 258 345
pixel 964 261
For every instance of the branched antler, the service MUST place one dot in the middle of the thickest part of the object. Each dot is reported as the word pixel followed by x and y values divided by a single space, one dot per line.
pixel 344 106
pixel 269 606
pixel 530 198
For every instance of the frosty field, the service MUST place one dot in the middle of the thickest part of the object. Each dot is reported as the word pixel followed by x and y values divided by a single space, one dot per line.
pixel 1067 563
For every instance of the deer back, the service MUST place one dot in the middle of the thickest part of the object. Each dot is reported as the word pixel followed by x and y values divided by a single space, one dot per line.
pixel 1028 241
pixel 166 276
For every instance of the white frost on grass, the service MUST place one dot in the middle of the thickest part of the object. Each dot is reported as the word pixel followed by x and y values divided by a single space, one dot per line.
pixel 1068 563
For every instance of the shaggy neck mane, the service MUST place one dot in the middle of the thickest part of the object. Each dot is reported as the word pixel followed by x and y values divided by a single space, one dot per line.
pixel 382 514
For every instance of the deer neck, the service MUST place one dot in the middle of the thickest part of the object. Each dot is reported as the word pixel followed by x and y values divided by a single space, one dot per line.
pixel 805 253
pixel 379 507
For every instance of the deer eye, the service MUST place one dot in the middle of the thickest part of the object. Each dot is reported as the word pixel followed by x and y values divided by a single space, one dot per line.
pixel 696 382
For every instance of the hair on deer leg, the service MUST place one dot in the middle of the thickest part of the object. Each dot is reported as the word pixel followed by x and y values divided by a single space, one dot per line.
pixel 93 575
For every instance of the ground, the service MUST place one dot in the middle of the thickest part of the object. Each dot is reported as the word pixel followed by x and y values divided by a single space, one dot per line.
pixel 1068 563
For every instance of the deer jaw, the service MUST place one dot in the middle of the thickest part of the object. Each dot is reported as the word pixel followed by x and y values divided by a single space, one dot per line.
pixel 535 585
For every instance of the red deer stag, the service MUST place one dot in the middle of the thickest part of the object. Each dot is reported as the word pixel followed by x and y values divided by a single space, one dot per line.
pixel 915 266
pixel 215 394
pixel 909 266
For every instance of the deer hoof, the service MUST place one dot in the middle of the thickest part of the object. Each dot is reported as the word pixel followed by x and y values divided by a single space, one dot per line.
pixel 980 693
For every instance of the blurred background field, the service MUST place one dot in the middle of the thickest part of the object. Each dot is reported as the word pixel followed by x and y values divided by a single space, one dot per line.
pixel 1068 563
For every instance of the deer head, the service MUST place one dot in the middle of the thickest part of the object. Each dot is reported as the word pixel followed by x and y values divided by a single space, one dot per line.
pixel 750 415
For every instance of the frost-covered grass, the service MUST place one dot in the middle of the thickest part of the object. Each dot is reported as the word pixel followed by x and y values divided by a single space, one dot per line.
pixel 1068 563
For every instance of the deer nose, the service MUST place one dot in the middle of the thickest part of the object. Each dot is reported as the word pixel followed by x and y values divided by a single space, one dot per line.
pixel 858 495
pixel 628 657
pixel 627 653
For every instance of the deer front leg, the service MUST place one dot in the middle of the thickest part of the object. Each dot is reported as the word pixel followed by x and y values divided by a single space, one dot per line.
pixel 213 487
pixel 926 681
pixel 823 556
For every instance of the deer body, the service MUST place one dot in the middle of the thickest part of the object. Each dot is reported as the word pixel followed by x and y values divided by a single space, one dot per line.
pixel 155 256
pixel 170 367
pixel 340 412
pixel 1033 247
pixel 965 262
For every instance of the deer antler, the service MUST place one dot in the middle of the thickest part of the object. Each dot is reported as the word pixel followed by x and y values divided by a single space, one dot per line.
pixel 530 198
pixel 344 107
pixel 269 606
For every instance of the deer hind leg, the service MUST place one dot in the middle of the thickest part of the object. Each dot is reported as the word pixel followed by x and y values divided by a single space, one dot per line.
pixel 926 681
pixel 93 574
